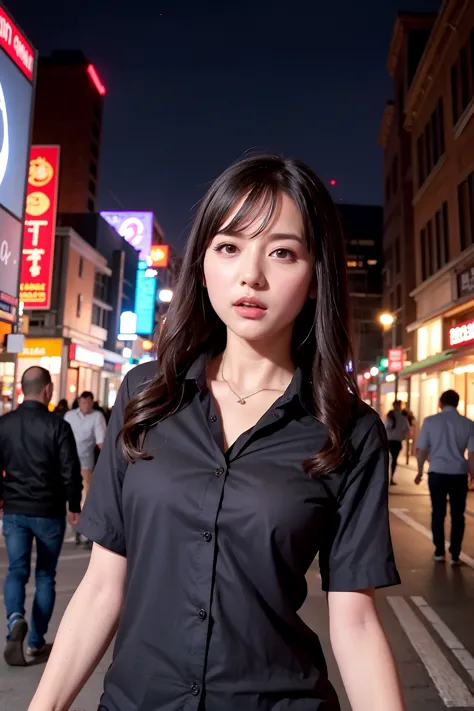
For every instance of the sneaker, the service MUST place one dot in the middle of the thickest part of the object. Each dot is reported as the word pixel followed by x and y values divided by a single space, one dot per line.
pixel 36 651
pixel 455 562
pixel 439 558
pixel 13 654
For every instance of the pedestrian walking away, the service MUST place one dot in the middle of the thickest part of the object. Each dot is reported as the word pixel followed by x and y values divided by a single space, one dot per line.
pixel 229 463
pixel 444 438
pixel 89 427
pixel 41 476
pixel 397 427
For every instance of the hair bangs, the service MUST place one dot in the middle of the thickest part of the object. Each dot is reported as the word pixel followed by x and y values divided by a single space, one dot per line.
pixel 257 210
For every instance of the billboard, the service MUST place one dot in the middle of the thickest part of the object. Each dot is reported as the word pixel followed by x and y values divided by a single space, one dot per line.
pixel 17 70
pixel 135 227
pixel 145 300
pixel 40 227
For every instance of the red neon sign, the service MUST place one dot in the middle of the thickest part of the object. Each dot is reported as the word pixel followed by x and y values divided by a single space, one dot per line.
pixel 461 334
pixel 159 255
pixel 40 227
pixel 16 45
pixel 91 70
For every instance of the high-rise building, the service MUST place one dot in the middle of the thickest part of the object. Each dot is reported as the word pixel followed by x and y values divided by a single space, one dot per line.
pixel 363 229
pixel 68 112
pixel 439 113
pixel 410 35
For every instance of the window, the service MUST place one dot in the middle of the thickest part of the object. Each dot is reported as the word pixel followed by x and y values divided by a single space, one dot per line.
pixel 101 286
pixel 79 305
pixel 424 274
pixel 91 205
pixel 431 145
pixel 92 187
pixel 372 262
pixel 396 250
pixel 462 79
pixel 466 211
pixel 398 300
pixel 93 169
pixel 95 150
pixel 438 236
pixel 100 316
pixel 395 175
pixel 445 232
pixel 81 267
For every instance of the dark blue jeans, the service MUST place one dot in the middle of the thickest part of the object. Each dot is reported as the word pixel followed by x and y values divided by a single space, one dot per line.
pixel 19 532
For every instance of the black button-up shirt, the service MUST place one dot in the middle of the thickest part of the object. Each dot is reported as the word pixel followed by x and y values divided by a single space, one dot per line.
pixel 218 545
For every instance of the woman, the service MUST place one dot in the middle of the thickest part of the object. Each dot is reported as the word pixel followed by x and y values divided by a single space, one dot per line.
pixel 227 468
pixel 397 427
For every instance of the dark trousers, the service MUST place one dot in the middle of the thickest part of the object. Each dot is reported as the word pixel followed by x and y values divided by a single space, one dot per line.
pixel 394 447
pixel 19 532
pixel 443 486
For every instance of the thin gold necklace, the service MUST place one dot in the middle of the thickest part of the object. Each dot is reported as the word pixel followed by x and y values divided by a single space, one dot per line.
pixel 242 400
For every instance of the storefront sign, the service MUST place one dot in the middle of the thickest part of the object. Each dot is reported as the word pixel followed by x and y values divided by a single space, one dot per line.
pixel 135 227
pixel 85 355
pixel 395 360
pixel 466 282
pixel 16 45
pixel 145 300
pixel 159 255
pixel 461 334
pixel 40 227
pixel 41 347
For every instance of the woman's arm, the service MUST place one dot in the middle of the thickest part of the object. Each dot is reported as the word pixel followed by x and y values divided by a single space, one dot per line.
pixel 362 653
pixel 86 630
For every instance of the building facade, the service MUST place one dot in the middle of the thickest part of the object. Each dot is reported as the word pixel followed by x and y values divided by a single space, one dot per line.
pixel 411 33
pixel 363 228
pixel 439 113
pixel 69 108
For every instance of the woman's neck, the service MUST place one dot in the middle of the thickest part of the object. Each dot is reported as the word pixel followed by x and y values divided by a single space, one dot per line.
pixel 252 366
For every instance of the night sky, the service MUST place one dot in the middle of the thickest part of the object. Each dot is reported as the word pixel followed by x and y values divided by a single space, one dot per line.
pixel 191 86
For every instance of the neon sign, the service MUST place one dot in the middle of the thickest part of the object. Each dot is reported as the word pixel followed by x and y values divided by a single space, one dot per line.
pixel 461 334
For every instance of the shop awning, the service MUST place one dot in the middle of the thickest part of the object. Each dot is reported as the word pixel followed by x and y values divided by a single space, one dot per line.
pixel 427 364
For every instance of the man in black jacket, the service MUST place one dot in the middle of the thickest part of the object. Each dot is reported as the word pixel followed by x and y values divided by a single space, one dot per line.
pixel 41 474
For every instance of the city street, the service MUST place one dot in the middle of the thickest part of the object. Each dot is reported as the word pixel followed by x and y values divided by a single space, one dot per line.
pixel 428 618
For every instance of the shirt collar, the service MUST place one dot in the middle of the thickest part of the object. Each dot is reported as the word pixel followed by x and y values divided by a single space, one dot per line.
pixel 197 373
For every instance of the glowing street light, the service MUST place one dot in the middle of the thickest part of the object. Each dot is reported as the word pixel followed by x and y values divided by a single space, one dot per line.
pixel 387 319
pixel 165 296
pixel 374 371
pixel 367 376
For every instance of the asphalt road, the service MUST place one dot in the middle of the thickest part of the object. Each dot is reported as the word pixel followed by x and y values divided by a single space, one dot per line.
pixel 429 618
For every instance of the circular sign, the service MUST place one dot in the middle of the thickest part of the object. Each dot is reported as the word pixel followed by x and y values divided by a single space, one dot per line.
pixel 41 172
pixel 37 204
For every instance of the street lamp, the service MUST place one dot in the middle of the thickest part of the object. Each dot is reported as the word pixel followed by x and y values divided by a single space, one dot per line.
pixel 389 320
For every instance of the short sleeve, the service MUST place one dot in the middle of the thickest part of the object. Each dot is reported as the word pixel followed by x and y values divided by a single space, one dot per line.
pixel 358 553
pixel 100 428
pixel 423 441
pixel 101 519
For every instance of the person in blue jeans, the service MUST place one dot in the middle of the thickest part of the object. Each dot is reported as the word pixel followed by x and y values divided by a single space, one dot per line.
pixel 41 474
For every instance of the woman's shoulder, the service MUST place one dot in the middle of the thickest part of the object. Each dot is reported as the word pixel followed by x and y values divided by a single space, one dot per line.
pixel 139 376
pixel 368 430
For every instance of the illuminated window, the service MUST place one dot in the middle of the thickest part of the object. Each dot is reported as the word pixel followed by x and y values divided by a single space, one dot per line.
pixel 372 262
pixel 352 263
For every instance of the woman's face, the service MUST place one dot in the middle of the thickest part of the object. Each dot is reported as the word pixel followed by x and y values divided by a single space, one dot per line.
pixel 258 285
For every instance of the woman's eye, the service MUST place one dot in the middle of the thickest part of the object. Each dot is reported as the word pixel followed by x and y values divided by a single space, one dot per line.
pixel 283 253
pixel 226 248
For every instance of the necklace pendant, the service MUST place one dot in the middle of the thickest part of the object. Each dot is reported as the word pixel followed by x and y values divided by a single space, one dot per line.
pixel 241 401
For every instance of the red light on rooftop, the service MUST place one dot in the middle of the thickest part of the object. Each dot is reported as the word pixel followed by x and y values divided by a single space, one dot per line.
pixel 332 182
pixel 95 79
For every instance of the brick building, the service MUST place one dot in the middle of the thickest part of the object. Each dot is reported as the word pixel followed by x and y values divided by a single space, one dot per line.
pixel 439 114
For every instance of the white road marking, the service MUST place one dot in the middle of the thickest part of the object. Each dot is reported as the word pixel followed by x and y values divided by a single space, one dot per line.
pixel 449 638
pixel 403 516
pixel 451 688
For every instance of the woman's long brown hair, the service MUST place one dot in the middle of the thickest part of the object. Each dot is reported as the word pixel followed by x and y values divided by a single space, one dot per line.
pixel 321 341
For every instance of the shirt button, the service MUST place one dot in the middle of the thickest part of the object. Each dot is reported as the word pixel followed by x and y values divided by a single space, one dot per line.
pixel 195 689
pixel 213 418
pixel 219 472
pixel 202 614
pixel 207 536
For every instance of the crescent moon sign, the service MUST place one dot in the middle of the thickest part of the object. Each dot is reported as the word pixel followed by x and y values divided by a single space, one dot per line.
pixel 5 150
